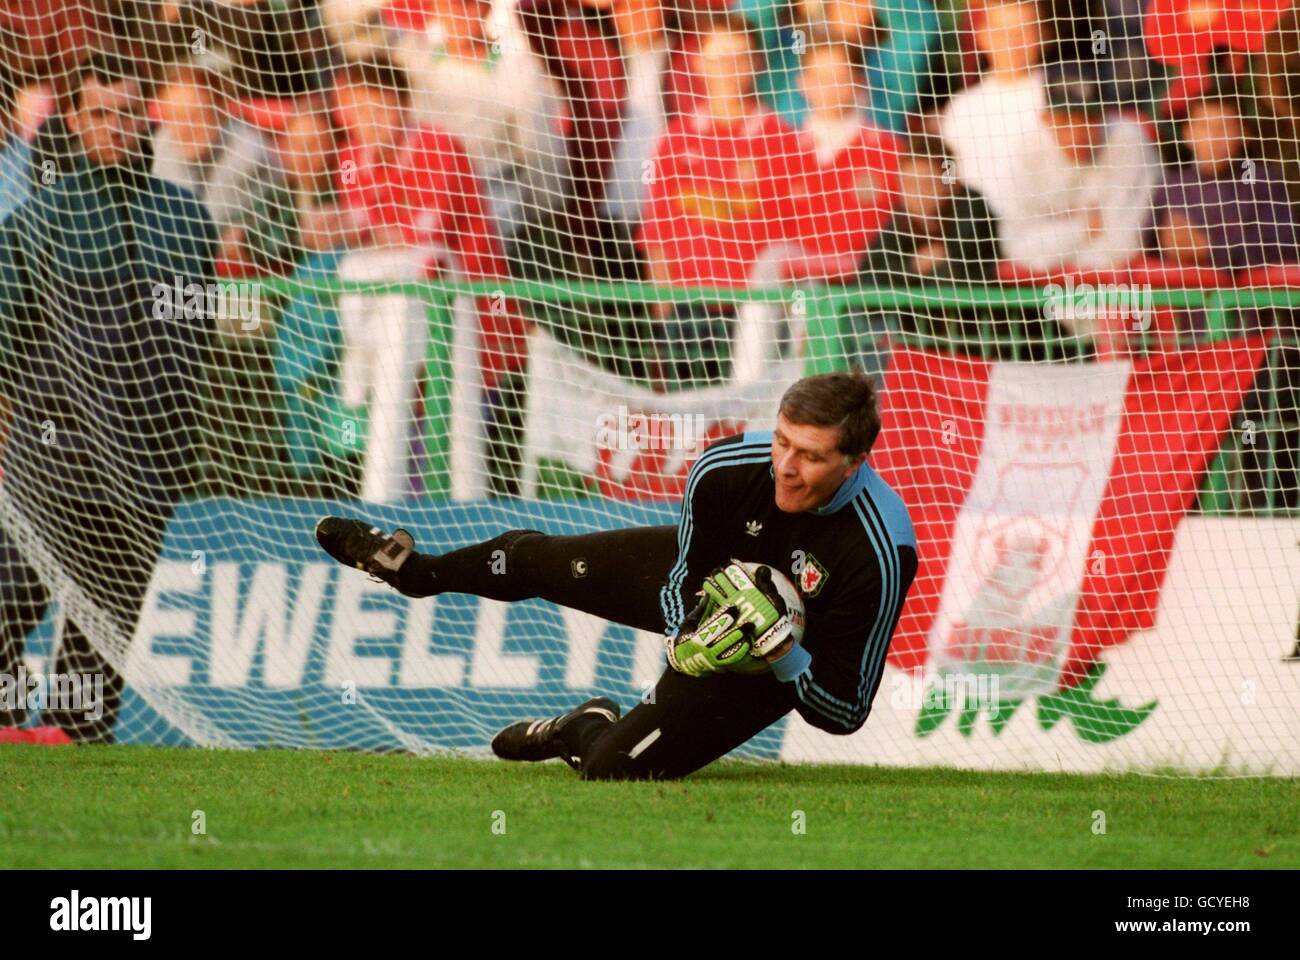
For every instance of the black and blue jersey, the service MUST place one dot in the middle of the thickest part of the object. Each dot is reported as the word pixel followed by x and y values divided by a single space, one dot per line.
pixel 853 561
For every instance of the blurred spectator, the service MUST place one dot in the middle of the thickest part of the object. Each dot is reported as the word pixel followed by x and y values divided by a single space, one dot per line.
pixel 22 109
pixel 993 126
pixel 228 165
pixel 359 29
pixel 646 45
pixel 896 40
pixel 717 173
pixel 493 97
pixel 577 42
pixel 101 365
pixel 1226 209
pixel 406 185
pixel 940 232
pixel 307 154
pixel 1107 32
pixel 413 210
pixel 1276 82
pixel 1127 71
pixel 853 165
pixel 720 178
pixel 1214 204
pixel 1204 42
pixel 1085 199
pixel 624 68
pixel 265 48
pixel 45 40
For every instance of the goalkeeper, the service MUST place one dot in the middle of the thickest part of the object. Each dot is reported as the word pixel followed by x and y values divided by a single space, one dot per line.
pixel 800 498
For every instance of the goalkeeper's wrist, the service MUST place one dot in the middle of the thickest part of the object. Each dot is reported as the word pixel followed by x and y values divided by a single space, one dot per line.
pixel 791 664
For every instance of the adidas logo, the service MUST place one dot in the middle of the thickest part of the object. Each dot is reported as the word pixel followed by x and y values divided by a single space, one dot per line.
pixel 753 528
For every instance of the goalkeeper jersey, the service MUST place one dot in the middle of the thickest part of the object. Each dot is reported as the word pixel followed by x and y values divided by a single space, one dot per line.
pixel 852 560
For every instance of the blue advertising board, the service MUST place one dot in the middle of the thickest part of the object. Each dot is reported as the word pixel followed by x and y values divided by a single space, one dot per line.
pixel 252 637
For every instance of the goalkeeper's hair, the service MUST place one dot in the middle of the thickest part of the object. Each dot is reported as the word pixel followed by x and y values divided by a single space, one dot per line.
pixel 843 400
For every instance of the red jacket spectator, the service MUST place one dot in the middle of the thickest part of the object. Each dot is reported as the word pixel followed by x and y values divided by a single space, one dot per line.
pixel 841 203
pixel 429 193
pixel 720 196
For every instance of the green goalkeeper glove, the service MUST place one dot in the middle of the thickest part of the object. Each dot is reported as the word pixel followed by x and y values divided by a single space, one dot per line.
pixel 737 622
pixel 756 602
pixel 716 645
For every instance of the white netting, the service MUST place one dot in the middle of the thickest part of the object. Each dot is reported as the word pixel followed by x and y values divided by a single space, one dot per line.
pixel 471 266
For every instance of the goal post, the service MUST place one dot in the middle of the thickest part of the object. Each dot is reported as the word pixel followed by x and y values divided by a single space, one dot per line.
pixel 465 266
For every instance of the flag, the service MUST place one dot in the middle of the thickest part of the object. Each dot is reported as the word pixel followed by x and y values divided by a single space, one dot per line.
pixel 1045 499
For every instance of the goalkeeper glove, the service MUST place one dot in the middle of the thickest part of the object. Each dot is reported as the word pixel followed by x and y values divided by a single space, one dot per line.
pixel 716 645
pixel 738 621
pixel 756 601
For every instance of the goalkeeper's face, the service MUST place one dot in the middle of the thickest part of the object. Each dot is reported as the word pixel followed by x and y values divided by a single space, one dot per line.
pixel 808 465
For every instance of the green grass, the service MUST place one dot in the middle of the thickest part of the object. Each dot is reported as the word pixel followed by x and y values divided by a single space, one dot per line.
pixel 134 807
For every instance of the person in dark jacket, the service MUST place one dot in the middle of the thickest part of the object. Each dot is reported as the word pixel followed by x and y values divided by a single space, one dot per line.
pixel 941 233
pixel 105 280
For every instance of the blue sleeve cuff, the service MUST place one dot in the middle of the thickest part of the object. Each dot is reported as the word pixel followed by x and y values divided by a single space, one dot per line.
pixel 792 664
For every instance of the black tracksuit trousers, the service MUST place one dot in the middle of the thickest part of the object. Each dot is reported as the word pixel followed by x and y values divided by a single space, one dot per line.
pixel 686 722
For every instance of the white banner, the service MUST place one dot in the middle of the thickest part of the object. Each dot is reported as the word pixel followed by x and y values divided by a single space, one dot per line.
pixel 601 425
pixel 1021 539
pixel 1213 688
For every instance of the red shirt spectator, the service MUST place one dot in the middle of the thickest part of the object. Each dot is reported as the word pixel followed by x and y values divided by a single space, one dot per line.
pixel 427 193
pixel 427 190
pixel 844 200
pixel 718 194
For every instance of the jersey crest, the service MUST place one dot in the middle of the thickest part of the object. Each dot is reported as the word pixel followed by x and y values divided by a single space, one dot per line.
pixel 812 576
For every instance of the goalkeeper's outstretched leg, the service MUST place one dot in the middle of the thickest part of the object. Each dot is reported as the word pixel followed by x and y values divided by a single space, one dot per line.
pixel 684 724
pixel 614 574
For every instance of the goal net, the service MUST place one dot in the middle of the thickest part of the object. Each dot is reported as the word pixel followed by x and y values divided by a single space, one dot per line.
pixel 466 266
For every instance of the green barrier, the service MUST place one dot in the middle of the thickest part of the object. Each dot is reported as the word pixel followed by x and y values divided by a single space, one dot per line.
pixel 437 398
pixel 840 296
pixel 824 309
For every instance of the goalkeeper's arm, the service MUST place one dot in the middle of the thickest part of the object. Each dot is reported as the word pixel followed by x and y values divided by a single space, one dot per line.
pixel 837 669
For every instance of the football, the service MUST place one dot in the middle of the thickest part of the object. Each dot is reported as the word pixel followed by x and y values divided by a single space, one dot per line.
pixel 793 609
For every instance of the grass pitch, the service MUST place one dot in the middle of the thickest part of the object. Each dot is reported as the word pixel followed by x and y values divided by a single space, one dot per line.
pixel 140 807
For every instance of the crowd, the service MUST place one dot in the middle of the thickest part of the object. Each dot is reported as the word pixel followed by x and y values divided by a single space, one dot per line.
pixel 704 142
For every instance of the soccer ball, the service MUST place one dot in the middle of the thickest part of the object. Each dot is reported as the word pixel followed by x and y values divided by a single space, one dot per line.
pixel 793 608
pixel 789 593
